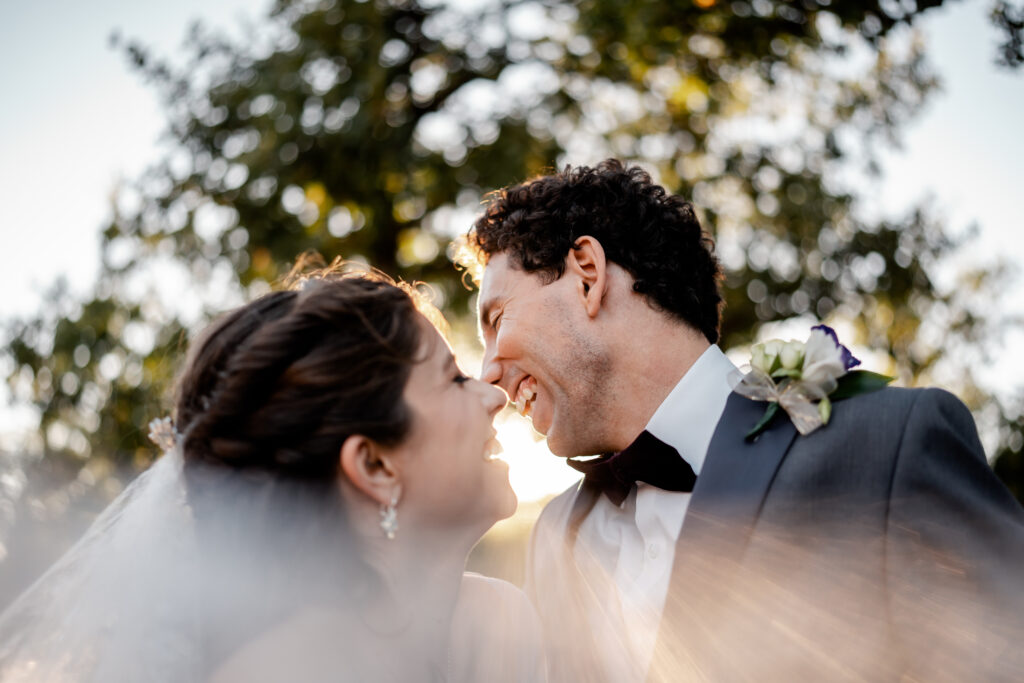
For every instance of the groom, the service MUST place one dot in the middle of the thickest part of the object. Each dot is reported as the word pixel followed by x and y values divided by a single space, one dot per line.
pixel 879 546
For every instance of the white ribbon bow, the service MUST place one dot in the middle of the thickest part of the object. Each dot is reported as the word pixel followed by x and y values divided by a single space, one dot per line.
pixel 796 397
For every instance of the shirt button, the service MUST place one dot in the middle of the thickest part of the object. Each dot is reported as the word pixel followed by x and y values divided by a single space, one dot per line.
pixel 653 550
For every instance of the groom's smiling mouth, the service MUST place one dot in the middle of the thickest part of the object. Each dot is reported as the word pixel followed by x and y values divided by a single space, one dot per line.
pixel 525 395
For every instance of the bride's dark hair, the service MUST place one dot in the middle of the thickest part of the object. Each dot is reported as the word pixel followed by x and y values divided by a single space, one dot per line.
pixel 278 384
pixel 268 396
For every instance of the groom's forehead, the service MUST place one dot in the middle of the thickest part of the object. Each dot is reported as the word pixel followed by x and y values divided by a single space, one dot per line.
pixel 500 278
pixel 493 283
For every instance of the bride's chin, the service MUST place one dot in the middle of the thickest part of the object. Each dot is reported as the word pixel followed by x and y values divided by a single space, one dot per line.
pixel 505 500
pixel 511 504
pixel 505 510
pixel 503 505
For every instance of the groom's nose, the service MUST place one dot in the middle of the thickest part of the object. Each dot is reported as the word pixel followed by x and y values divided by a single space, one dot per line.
pixel 491 370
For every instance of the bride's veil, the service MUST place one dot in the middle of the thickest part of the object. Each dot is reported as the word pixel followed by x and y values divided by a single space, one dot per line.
pixel 188 564
pixel 118 606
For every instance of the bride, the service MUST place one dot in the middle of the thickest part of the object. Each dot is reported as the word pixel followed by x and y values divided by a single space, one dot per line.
pixel 327 471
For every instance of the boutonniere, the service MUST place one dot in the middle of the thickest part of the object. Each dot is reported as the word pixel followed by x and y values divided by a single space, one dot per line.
pixel 804 378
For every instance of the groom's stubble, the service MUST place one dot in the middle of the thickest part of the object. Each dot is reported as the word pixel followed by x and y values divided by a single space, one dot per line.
pixel 581 370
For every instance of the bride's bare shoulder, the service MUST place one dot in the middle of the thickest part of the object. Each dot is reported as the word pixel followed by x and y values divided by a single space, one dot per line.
pixel 495 632
pixel 479 587
pixel 484 600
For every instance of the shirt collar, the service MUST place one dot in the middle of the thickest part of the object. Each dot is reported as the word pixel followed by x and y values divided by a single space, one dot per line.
pixel 687 418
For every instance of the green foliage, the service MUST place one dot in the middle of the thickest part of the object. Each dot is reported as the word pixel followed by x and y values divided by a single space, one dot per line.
pixel 769 412
pixel 1010 20
pixel 372 129
pixel 1008 423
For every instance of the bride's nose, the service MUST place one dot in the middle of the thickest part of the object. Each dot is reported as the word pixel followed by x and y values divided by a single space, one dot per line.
pixel 494 398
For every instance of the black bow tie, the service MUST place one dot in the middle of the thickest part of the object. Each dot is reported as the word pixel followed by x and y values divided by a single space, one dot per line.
pixel 647 459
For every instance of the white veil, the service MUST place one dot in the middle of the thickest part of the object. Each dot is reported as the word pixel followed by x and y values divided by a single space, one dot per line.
pixel 118 606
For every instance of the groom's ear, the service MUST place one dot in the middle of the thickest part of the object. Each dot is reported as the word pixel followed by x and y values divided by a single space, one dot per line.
pixel 369 468
pixel 586 262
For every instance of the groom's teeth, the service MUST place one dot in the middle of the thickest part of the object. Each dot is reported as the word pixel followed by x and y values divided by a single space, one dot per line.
pixel 524 405
pixel 524 399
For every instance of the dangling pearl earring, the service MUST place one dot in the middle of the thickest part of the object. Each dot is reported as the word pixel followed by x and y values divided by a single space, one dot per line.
pixel 389 517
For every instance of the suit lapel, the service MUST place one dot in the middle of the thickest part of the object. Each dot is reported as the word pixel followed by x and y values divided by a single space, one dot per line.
pixel 726 502
pixel 582 592
pixel 736 475
pixel 586 498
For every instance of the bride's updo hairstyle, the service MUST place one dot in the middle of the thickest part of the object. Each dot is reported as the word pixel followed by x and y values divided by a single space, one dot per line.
pixel 278 384
pixel 268 396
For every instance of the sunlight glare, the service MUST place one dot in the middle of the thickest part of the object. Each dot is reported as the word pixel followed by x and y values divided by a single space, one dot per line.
pixel 534 472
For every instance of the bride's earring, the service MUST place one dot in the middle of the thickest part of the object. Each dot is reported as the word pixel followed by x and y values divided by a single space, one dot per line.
pixel 389 517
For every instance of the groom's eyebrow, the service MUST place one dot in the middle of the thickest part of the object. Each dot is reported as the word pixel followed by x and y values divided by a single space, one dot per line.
pixel 485 310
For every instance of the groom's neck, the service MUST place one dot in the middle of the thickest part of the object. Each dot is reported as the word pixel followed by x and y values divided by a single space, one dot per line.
pixel 648 366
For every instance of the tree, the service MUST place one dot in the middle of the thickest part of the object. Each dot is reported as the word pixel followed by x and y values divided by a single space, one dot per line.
pixel 1010 20
pixel 373 129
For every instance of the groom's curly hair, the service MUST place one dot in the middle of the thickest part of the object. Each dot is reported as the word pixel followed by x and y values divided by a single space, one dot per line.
pixel 652 234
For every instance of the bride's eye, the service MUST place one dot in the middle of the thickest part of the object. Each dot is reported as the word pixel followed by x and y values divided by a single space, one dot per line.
pixel 461 379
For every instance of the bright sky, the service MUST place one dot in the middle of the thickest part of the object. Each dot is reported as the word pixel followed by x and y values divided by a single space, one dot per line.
pixel 76 120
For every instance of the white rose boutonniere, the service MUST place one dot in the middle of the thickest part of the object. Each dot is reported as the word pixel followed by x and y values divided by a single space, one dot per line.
pixel 804 378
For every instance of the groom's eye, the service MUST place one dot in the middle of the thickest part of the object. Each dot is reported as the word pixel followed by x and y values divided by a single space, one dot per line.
pixel 460 378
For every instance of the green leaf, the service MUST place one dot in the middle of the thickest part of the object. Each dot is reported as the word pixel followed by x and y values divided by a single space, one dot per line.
pixel 859 382
pixel 825 410
pixel 769 413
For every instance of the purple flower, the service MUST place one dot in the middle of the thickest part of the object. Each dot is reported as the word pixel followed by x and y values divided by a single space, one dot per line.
pixel 848 360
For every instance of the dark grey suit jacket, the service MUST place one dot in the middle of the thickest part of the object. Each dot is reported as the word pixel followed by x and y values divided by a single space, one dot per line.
pixel 879 547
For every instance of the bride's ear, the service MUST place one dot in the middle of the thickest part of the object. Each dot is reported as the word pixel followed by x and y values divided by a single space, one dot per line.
pixel 368 468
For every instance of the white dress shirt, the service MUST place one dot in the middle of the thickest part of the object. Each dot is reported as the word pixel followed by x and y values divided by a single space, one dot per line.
pixel 627 551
